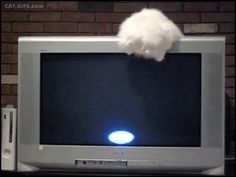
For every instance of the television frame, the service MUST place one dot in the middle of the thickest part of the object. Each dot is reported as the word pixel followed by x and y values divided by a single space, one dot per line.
pixel 207 159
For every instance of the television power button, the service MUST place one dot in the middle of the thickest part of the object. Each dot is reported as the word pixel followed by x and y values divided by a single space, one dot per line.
pixel 7 153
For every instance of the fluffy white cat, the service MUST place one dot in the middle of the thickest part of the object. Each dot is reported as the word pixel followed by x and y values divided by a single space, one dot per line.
pixel 148 33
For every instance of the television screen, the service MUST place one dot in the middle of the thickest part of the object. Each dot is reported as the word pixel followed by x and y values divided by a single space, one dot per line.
pixel 87 96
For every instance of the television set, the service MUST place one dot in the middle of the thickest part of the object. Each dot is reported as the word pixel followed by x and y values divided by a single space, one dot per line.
pixel 85 105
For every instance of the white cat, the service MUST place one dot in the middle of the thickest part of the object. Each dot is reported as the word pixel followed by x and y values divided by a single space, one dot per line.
pixel 148 33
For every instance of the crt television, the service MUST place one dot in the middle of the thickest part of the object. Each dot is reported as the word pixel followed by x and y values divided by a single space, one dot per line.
pixel 85 105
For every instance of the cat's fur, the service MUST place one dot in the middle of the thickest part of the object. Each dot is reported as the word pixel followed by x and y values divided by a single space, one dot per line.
pixel 148 33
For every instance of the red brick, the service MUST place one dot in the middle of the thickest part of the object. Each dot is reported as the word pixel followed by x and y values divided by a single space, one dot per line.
pixel 227 6
pixel 83 34
pixel 230 82
pixel 8 99
pixel 201 28
pixel 230 38
pixel 111 17
pixel 166 6
pixel 61 27
pixel 226 27
pixel 95 6
pixel 14 89
pixel 5 69
pixel 15 48
pixel 95 27
pixel 6 48
pixel 230 49
pixel 78 16
pixel 183 17
pixel 11 37
pixel 200 6
pixel 8 58
pixel 14 16
pixel 27 27
pixel 62 5
pixel 6 27
pixel 230 92
pixel 128 7
pixel 115 28
pixel 230 61
pixel 5 6
pixel 79 34
pixel 14 69
pixel 45 16
pixel 230 71
pixel 217 17
pixel 5 89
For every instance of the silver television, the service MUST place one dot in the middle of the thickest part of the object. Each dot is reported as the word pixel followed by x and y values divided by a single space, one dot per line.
pixel 84 105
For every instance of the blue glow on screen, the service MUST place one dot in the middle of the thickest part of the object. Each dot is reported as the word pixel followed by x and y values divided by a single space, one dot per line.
pixel 120 137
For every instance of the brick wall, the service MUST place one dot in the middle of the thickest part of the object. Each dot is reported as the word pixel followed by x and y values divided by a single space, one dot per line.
pixel 41 18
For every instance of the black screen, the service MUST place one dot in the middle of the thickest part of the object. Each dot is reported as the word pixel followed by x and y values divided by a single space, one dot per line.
pixel 86 96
